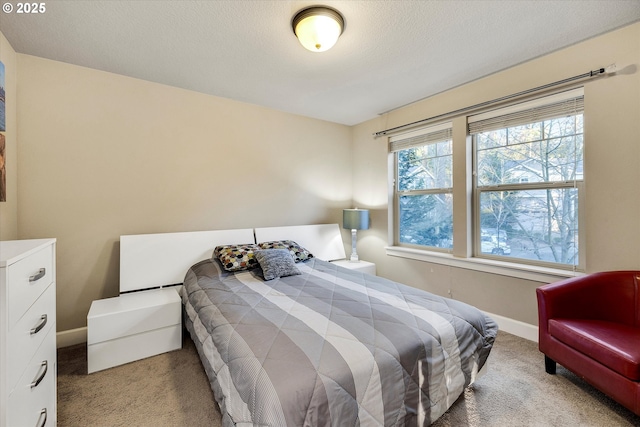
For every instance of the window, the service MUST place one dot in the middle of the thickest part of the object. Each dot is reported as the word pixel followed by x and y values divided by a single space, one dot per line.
pixel 518 190
pixel 528 174
pixel 423 186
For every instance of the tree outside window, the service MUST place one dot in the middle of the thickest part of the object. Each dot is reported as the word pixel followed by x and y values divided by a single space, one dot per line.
pixel 424 195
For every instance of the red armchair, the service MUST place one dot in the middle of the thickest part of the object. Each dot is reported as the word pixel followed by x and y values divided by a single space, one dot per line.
pixel 591 326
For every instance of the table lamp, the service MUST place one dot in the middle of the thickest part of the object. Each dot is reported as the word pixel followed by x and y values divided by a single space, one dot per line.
pixel 354 220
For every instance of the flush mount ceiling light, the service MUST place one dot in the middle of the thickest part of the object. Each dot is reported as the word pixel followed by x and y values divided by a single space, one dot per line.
pixel 318 27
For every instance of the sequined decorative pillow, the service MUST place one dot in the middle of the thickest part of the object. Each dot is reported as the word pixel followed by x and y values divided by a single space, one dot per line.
pixel 276 263
pixel 237 257
pixel 298 252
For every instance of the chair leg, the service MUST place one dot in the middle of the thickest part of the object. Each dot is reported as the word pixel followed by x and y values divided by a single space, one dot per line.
pixel 549 365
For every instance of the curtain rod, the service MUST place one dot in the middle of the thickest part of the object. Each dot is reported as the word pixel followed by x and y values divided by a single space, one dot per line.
pixel 605 70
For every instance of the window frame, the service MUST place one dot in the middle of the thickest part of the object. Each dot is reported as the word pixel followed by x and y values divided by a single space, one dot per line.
pixel 396 194
pixel 467 233
pixel 477 191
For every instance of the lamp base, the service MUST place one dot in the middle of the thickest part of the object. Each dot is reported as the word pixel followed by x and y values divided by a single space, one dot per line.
pixel 354 239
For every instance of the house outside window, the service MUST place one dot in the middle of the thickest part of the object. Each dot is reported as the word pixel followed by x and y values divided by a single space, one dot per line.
pixel 528 181
pixel 423 188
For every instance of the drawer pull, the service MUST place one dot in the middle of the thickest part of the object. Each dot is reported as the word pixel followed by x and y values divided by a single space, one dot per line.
pixel 39 275
pixel 40 325
pixel 40 376
pixel 44 420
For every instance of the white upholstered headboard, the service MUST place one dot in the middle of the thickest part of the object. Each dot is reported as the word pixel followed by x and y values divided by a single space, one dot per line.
pixel 154 260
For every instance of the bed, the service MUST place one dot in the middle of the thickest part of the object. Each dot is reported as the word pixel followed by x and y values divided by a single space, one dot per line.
pixel 324 345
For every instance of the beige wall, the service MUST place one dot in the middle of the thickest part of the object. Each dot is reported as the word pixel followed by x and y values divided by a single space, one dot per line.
pixel 102 155
pixel 612 170
pixel 9 209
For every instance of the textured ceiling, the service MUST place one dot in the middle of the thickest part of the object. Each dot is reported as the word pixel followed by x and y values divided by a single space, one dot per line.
pixel 391 53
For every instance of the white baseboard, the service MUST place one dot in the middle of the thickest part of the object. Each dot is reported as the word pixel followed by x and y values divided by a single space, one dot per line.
pixel 71 337
pixel 515 327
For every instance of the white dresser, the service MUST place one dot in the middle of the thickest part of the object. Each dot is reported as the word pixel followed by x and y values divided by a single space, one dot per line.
pixel 28 333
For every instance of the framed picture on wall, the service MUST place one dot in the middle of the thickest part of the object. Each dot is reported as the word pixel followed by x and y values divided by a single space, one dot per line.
pixel 3 126
pixel 3 174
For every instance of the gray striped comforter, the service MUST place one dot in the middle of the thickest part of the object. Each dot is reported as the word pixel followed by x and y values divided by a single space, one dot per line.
pixel 331 346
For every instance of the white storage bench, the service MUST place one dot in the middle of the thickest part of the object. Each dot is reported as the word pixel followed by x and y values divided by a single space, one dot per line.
pixel 133 326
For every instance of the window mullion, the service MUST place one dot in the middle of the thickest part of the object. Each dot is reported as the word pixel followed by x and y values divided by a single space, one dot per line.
pixel 529 186
pixel 429 191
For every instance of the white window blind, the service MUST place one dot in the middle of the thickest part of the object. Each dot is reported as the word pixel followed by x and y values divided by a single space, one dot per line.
pixel 550 107
pixel 420 137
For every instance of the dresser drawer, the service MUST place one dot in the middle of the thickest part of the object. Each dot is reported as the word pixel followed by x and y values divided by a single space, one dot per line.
pixel 28 400
pixel 22 343
pixel 28 279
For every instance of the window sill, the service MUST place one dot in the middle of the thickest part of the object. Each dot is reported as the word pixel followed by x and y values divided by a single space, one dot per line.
pixel 521 271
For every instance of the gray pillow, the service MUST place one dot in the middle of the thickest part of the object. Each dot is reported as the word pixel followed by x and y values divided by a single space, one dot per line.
pixel 298 252
pixel 276 263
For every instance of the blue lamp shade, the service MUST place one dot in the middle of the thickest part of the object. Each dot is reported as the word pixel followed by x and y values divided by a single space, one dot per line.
pixel 355 219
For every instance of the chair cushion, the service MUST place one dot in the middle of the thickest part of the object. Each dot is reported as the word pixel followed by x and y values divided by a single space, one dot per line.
pixel 615 345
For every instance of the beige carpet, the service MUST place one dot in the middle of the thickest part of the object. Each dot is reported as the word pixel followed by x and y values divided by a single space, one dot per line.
pixel 172 390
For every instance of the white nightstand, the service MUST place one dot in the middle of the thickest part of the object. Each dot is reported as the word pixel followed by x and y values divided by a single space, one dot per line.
pixel 363 266
pixel 133 326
